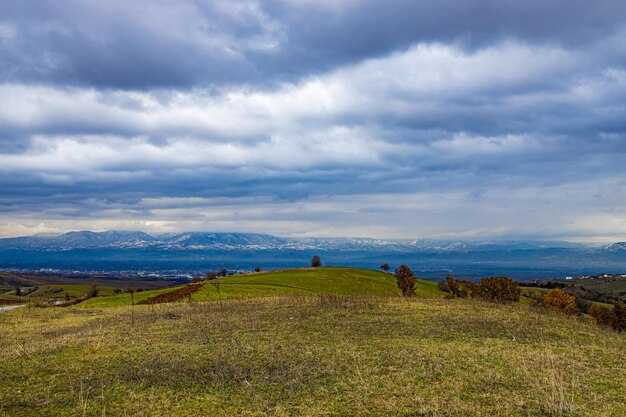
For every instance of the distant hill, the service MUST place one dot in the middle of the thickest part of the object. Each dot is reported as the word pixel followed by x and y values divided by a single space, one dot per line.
pixel 253 241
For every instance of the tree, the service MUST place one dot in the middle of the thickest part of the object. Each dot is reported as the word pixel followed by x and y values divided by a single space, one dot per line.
pixel 385 267
pixel 406 280
pixel 223 272
pixel 196 279
pixel 18 291
pixel 559 301
pixel 257 269
pixel 316 261
pixel 211 275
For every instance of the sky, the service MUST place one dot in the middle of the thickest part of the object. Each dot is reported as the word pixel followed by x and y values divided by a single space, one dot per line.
pixel 445 119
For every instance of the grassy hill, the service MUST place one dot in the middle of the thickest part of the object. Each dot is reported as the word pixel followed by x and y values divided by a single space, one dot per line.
pixel 338 281
pixel 309 355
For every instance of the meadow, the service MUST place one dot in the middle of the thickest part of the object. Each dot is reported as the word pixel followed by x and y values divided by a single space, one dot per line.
pixel 317 352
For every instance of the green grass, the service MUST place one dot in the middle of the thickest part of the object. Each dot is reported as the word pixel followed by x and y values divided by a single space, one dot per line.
pixel 124 299
pixel 74 290
pixel 307 281
pixel 340 281
pixel 319 355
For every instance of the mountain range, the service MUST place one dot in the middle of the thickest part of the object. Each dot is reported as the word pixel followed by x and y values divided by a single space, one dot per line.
pixel 252 241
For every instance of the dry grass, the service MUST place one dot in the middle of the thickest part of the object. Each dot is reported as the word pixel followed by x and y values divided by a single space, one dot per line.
pixel 309 355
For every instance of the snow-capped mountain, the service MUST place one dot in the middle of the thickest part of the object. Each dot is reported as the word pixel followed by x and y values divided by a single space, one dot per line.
pixel 615 247
pixel 252 241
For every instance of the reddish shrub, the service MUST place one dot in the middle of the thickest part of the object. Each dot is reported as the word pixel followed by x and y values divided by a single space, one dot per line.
pixel 559 301
pixel 406 280
pixel 498 289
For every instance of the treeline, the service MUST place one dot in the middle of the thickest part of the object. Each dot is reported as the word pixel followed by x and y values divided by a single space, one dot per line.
pixel 579 292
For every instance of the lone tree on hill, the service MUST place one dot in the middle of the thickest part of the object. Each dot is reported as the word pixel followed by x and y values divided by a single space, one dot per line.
pixel 406 280
pixel 385 267
pixel 316 261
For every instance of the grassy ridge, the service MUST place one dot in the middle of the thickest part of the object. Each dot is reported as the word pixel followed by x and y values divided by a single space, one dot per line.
pixel 339 281
pixel 315 355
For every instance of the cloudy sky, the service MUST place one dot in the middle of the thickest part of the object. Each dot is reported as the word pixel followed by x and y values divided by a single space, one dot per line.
pixel 483 119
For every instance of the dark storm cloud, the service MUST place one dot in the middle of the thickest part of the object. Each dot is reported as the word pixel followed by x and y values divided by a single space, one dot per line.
pixel 395 119
pixel 146 44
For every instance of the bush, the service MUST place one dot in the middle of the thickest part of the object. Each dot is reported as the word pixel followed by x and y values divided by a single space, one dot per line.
pixel 385 267
pixel 559 301
pixel 497 289
pixel 316 261
pixel 211 276
pixel 257 269
pixel 117 291
pixel 453 286
pixel 406 281
pixel 94 290
pixel 619 314
pixel 196 279
pixel 223 272
pixel 603 316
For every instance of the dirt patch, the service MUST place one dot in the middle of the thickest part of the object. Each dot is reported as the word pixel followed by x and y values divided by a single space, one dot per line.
pixel 170 297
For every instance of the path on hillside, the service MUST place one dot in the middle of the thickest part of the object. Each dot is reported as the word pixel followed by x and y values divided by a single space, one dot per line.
pixel 7 308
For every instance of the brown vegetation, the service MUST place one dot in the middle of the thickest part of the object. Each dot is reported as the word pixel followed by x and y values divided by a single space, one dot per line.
pixel 406 280
pixel 498 290
pixel 559 301
pixel 170 297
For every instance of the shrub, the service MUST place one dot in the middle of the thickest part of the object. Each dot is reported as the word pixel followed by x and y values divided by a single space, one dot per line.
pixel 117 291
pixel 316 261
pixel 196 279
pixel 497 289
pixel 557 300
pixel 94 290
pixel 257 269
pixel 211 276
pixel 619 314
pixel 223 272
pixel 453 286
pixel 385 267
pixel 406 280
pixel 603 316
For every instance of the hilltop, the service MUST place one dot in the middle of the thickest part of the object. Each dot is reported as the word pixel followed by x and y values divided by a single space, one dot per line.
pixel 305 281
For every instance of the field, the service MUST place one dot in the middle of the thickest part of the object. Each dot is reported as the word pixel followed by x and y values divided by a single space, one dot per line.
pixel 341 281
pixel 307 352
